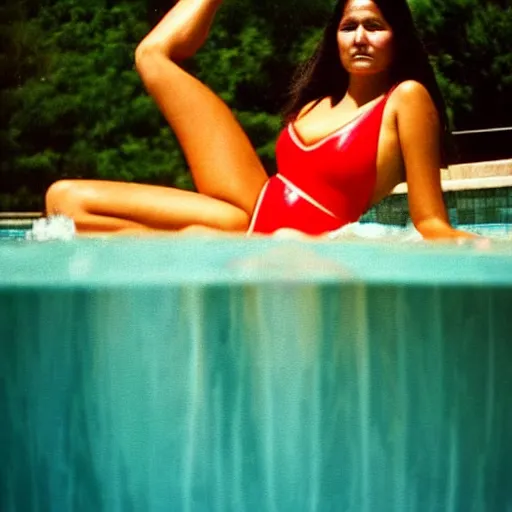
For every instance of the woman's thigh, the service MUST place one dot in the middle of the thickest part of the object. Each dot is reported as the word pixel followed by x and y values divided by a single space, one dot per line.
pixel 222 160
pixel 87 201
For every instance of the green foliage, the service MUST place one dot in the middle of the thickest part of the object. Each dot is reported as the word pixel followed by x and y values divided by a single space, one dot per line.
pixel 469 41
pixel 72 104
pixel 82 112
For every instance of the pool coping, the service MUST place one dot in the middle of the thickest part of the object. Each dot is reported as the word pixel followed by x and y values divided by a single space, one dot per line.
pixel 472 176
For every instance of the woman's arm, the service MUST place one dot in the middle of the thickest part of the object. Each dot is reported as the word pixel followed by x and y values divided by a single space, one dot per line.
pixel 419 135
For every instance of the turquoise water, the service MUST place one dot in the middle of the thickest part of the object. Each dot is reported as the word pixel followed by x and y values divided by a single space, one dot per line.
pixel 12 233
pixel 183 374
pixel 497 230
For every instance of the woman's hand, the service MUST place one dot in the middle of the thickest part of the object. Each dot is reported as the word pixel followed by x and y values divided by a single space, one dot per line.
pixel 435 229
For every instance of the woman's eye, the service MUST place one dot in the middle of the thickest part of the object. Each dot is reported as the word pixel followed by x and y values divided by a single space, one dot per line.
pixel 349 27
pixel 371 27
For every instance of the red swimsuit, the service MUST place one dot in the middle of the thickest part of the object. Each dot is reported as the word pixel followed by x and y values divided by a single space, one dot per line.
pixel 322 186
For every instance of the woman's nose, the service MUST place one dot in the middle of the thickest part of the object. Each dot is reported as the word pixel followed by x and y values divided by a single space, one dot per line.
pixel 360 35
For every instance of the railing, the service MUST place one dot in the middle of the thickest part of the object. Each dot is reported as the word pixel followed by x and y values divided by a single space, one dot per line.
pixel 486 130
pixel 483 145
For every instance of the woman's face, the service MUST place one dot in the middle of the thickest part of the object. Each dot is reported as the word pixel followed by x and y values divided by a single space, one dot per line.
pixel 365 39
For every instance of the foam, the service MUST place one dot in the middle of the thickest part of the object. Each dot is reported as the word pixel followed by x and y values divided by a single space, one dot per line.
pixel 374 231
pixel 53 227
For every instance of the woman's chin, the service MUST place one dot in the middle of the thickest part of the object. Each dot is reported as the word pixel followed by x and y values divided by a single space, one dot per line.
pixel 364 68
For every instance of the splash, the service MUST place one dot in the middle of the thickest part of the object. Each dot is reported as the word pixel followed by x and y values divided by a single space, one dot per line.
pixel 375 231
pixel 53 227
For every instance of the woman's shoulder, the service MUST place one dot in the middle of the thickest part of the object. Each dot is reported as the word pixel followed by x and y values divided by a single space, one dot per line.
pixel 411 93
pixel 411 102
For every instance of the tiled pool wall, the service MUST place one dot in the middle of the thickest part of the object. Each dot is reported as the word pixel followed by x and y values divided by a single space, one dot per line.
pixel 254 375
pixel 474 193
pixel 480 206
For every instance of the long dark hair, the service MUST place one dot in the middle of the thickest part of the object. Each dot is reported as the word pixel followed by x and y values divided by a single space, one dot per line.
pixel 323 75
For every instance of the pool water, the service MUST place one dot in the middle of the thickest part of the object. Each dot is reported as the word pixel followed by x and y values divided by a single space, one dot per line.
pixel 231 374
pixel 363 230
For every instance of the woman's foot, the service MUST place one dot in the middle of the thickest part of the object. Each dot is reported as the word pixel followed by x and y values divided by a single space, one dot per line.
pixel 182 31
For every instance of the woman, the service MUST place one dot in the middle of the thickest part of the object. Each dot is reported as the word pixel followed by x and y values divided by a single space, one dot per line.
pixel 366 114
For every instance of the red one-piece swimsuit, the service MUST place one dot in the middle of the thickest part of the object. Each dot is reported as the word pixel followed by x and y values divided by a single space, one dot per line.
pixel 325 185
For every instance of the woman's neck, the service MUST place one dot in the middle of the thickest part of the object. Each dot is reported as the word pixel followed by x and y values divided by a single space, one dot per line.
pixel 362 89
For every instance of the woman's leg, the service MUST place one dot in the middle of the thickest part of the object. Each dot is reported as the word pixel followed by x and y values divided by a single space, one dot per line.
pixel 223 163
pixel 225 167
pixel 116 206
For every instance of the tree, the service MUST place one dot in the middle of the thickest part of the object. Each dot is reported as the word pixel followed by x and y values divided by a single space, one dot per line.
pixel 469 41
pixel 84 113
pixel 72 104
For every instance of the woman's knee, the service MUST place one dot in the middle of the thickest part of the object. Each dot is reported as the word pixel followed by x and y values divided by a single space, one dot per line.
pixel 143 56
pixel 155 69
pixel 230 218
pixel 62 197
pixel 240 222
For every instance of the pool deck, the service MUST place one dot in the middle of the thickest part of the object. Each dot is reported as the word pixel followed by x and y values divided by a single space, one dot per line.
pixel 18 220
pixel 472 176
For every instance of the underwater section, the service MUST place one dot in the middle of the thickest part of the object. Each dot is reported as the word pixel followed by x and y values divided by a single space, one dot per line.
pixel 249 375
